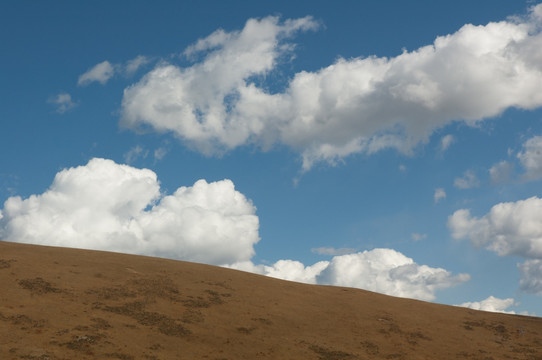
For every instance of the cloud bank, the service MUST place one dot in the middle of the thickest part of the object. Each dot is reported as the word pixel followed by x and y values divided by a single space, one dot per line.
pixel 106 206
pixel 492 304
pixel 381 270
pixel 359 105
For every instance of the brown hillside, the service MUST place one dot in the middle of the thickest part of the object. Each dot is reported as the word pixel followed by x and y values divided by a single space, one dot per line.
pixel 58 303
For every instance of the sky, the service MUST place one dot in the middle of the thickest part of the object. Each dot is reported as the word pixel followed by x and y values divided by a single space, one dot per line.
pixel 385 145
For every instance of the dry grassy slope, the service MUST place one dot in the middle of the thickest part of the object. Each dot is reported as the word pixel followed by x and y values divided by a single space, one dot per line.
pixel 58 303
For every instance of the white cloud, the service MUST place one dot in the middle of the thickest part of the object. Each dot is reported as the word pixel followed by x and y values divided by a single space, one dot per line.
pixel 501 172
pixel 439 194
pixel 390 272
pixel 285 269
pixel 135 64
pixel 134 153
pixel 101 73
pixel 510 228
pixel 381 270
pixel 531 276
pixel 107 206
pixel 468 181
pixel 446 141
pixel 332 251
pixel 531 158
pixel 492 304
pixel 359 105
pixel 63 101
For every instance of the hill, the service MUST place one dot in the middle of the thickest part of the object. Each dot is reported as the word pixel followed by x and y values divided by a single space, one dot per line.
pixel 58 303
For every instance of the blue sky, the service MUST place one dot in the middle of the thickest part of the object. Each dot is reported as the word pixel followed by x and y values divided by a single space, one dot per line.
pixel 390 146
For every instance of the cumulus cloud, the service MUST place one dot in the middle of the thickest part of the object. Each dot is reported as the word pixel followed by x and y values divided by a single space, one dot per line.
pixel 510 228
pixel 359 105
pixel 390 272
pixel 492 304
pixel 291 270
pixel 531 276
pixel 439 194
pixel 63 101
pixel 531 158
pixel 381 270
pixel 468 181
pixel 107 206
pixel 101 73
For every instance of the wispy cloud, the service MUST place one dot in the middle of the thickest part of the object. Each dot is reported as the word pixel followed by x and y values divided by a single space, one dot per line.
pixel 134 153
pixel 418 237
pixel 439 195
pixel 468 181
pixel 105 70
pixel 101 73
pixel 446 142
pixel 63 102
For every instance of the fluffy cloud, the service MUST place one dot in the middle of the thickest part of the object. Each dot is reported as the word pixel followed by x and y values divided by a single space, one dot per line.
pixel 101 73
pixel 510 228
pixel 390 272
pixel 291 270
pixel 492 304
pixel 531 276
pixel 107 206
pixel 381 270
pixel 360 105
pixel 531 158
pixel 468 181
pixel 63 101
pixel 201 104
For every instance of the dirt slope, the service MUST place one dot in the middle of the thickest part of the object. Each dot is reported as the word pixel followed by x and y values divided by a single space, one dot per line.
pixel 58 303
